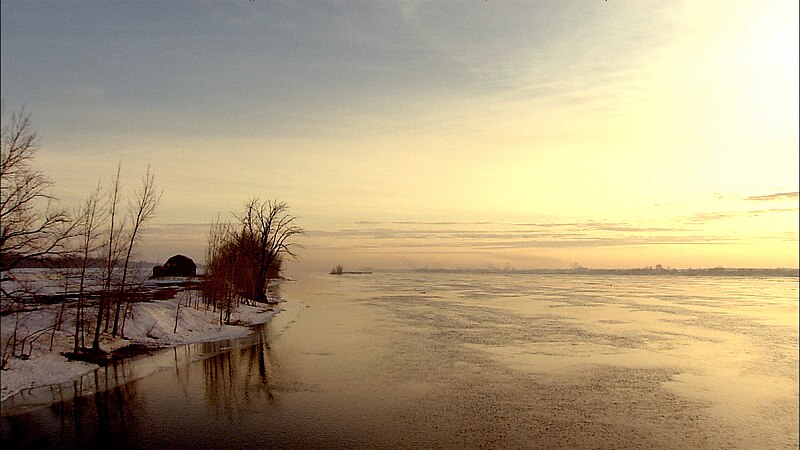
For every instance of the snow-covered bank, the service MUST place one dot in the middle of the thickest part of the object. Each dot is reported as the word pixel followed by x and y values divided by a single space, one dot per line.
pixel 151 323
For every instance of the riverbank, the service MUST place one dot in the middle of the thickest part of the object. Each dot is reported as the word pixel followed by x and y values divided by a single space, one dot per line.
pixel 152 324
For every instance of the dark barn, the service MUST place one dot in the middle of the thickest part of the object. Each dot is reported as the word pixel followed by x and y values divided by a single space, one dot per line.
pixel 176 266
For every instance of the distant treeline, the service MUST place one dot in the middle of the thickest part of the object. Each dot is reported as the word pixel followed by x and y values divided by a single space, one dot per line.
pixel 67 262
pixel 715 271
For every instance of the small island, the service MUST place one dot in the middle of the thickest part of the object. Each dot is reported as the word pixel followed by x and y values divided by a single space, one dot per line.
pixel 339 270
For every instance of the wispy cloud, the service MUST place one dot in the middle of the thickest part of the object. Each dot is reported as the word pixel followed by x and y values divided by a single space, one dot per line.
pixel 778 196
pixel 482 236
pixel 599 226
pixel 577 225
pixel 520 242
pixel 411 222
pixel 724 215
pixel 609 242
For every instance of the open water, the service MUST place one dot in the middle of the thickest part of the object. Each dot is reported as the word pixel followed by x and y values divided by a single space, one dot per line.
pixel 410 360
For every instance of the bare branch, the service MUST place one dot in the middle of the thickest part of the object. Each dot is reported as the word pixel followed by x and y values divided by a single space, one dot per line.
pixel 255 248
pixel 31 226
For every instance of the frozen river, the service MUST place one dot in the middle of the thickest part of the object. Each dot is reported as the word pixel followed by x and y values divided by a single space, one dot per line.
pixel 458 360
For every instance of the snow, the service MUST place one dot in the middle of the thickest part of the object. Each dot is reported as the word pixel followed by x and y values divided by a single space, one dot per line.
pixel 151 323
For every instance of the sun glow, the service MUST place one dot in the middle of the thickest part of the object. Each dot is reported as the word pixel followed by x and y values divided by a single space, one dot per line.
pixel 661 121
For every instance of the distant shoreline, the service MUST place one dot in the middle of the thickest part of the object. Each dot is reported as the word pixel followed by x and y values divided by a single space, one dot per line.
pixel 716 271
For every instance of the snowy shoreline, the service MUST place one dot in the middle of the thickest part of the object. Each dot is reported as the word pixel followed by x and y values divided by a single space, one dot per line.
pixel 153 324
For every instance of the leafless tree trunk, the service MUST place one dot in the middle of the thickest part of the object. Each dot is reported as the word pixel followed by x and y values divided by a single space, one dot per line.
pixel 128 310
pixel 189 297
pixel 141 211
pixel 112 255
pixel 60 316
pixel 90 223
pixel 9 347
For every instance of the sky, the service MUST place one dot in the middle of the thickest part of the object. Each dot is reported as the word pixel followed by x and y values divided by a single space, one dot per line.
pixel 407 134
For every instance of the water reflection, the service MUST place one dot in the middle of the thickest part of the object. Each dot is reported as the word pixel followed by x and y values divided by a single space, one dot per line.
pixel 432 361
pixel 110 406
pixel 234 379
pixel 88 412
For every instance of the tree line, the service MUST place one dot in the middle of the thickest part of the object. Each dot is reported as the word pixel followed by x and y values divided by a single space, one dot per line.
pixel 35 227
pixel 101 236
pixel 242 256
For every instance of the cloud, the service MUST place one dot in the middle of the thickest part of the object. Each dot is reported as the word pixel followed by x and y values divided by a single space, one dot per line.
pixel 724 215
pixel 582 226
pixel 444 245
pixel 444 223
pixel 480 236
pixel 778 196
pixel 609 242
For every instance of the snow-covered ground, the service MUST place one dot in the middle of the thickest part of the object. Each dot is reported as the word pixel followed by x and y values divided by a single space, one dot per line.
pixel 151 323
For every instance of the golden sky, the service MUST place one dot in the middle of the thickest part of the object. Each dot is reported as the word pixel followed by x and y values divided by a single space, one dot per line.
pixel 439 134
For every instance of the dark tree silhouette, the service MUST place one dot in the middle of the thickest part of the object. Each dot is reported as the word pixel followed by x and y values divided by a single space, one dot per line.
pixel 242 258
pixel 31 224
pixel 265 236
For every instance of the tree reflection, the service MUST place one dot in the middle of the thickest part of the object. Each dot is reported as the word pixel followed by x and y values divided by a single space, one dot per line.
pixel 91 412
pixel 238 377
pixel 115 406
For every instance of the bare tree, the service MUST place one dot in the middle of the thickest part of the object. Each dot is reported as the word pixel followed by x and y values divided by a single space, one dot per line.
pixel 31 225
pixel 113 250
pixel 141 211
pixel 217 282
pixel 59 318
pixel 266 235
pixel 90 222
pixel 34 227
pixel 24 330
pixel 242 258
